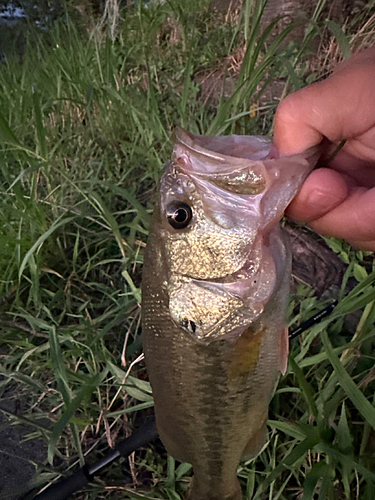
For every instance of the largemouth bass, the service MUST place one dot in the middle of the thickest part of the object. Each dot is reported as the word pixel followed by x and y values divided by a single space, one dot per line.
pixel 215 287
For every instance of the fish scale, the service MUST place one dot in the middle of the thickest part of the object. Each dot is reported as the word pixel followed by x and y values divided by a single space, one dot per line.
pixel 213 376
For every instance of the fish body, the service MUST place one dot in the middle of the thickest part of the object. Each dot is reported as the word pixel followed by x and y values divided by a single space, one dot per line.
pixel 214 293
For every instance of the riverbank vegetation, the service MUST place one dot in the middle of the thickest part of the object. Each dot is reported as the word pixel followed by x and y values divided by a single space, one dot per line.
pixel 87 112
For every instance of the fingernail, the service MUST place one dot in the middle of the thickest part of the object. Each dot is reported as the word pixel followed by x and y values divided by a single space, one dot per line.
pixel 321 201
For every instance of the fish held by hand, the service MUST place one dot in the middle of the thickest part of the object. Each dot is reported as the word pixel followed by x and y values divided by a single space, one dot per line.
pixel 214 293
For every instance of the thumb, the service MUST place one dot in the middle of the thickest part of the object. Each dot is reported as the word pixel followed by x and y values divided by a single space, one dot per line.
pixel 323 190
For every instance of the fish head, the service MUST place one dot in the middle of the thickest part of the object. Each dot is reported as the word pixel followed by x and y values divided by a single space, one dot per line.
pixel 220 199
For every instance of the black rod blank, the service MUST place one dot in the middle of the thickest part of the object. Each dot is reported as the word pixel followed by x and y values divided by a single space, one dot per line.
pixel 313 320
pixel 80 479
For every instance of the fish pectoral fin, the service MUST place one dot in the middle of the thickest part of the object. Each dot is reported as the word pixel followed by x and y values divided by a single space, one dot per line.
pixel 256 442
pixel 283 350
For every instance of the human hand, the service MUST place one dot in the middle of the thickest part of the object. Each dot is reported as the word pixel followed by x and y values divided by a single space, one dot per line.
pixel 339 200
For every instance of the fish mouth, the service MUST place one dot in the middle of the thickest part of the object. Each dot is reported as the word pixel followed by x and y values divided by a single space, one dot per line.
pixel 240 198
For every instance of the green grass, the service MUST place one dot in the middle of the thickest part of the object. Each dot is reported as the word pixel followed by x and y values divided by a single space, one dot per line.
pixel 85 127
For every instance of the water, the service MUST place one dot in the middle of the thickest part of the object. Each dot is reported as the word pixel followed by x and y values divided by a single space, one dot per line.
pixel 10 15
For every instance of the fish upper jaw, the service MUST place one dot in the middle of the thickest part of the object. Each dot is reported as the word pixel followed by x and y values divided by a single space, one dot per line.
pixel 216 148
pixel 247 169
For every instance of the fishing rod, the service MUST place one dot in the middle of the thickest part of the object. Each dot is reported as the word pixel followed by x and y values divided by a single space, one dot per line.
pixel 63 489
pixel 316 318
pixel 82 477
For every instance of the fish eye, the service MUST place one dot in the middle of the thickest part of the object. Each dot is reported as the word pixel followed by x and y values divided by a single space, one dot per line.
pixel 179 214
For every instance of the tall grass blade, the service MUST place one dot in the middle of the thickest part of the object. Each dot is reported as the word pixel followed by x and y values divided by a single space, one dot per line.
pixel 341 38
pixel 40 132
pixel 366 409
pixel 60 221
pixel 58 366
pixel 69 411
pixel 7 136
